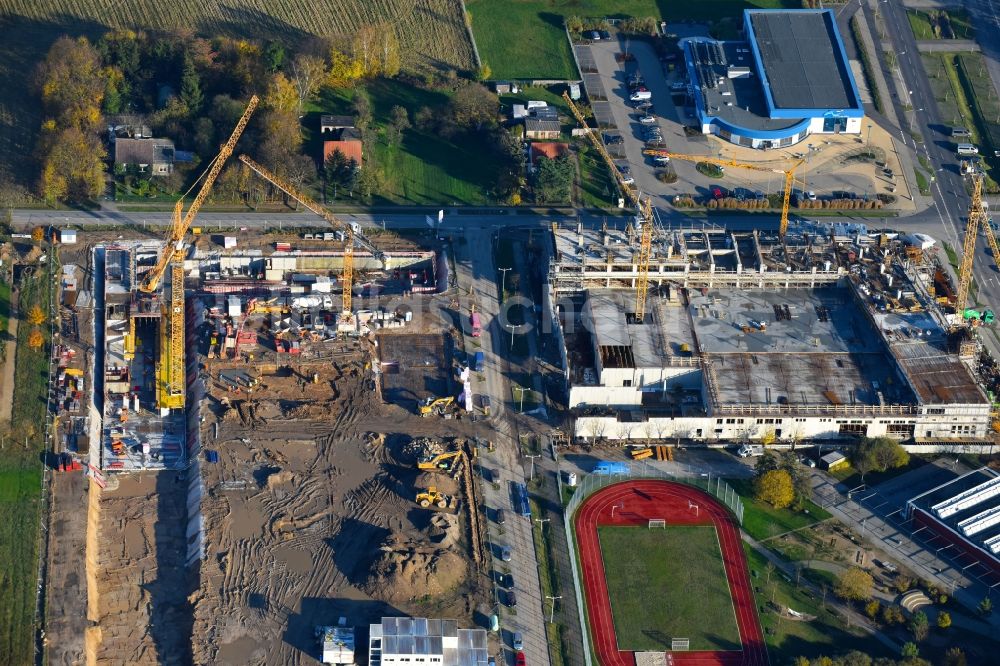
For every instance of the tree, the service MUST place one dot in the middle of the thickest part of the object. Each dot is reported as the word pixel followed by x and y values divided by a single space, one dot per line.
pixel 307 75
pixel 944 620
pixel 473 106
pixel 554 180
pixel 854 658
pixel 954 656
pixel 274 56
pixel 855 584
pixel 919 626
pixel 341 174
pixel 362 110
pixel 38 234
pixel 892 615
pixel 36 339
pixel 36 316
pixel 72 166
pixel 878 454
pixel 191 93
pixel 484 73
pixel 365 48
pixel 775 488
pixel 389 51
pixel 986 606
pixel 399 123
pixel 369 180
pixel 574 24
pixel 282 95
pixel 872 608
pixel 910 650
pixel 71 83
pixel 344 69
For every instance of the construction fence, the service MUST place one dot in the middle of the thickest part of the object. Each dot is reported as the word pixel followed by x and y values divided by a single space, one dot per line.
pixel 591 483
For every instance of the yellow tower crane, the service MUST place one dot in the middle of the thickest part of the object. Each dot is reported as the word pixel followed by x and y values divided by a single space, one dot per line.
pixel 643 208
pixel 978 218
pixel 788 173
pixel 352 230
pixel 170 374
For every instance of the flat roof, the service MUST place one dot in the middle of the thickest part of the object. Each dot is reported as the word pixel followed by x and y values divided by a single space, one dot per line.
pixel 821 351
pixel 965 500
pixel 802 59
pixel 738 101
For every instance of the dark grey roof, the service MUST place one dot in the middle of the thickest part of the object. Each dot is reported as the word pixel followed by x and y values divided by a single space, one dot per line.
pixel 335 122
pixel 545 113
pixel 143 151
pixel 541 125
pixel 802 60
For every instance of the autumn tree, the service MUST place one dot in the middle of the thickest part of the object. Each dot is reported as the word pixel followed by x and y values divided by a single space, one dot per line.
pixel 855 584
pixel 944 620
pixel 72 165
pixel 36 339
pixel 307 74
pixel 390 51
pixel 344 69
pixel 909 650
pixel 36 316
pixel 774 487
pixel 878 454
pixel 473 106
pixel 71 83
pixel 38 234
pixel 282 95
pixel 892 615
pixel 484 73
pixel 954 656
pixel 376 48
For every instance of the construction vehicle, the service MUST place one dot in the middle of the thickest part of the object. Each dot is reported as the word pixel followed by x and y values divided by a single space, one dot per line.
pixel 643 219
pixel 431 496
pixel 978 219
pixel 171 385
pixel 435 406
pixel 788 173
pixel 754 326
pixel 352 231
pixel 440 462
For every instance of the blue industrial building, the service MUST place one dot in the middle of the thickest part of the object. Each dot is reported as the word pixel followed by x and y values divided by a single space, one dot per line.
pixel 789 79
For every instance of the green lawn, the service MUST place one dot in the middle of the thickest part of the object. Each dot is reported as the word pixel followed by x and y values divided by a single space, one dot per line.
pixel 921 24
pixel 20 486
pixel 525 39
pixel 668 583
pixel 597 187
pixel 4 307
pixel 786 639
pixel 761 520
pixel 423 169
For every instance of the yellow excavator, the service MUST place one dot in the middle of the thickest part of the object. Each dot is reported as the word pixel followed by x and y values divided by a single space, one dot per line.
pixel 440 462
pixel 431 496
pixel 435 406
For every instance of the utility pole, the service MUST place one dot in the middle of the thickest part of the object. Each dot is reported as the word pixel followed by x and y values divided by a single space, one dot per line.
pixel 541 523
pixel 552 613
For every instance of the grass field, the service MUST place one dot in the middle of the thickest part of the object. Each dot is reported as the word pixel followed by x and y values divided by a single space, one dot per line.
pixel 20 485
pixel 923 25
pixel 524 39
pixel 668 583
pixel 944 94
pixel 424 168
pixel 761 520
pixel 597 187
pixel 4 307
pixel 984 103
pixel 828 634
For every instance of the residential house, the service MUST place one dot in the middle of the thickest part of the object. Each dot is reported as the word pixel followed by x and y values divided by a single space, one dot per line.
pixel 541 128
pixel 154 157
pixel 332 123
pixel 549 149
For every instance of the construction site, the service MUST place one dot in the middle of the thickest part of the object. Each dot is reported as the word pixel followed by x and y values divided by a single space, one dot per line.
pixel 283 442
pixel 813 330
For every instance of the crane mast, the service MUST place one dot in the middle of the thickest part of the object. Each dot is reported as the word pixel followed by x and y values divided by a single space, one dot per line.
pixel 978 218
pixel 180 225
pixel 352 231
pixel 644 216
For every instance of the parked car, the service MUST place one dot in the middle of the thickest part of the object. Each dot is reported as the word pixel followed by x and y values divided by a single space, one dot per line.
pixel 506 581
pixel 519 659
pixel 647 119
pixel 661 160
pixel 604 34
pixel 717 192
pixel 807 461
pixel 510 599
pixel 811 195
pixel 594 35
pixel 613 139
pixel 505 553
pixel 501 517
pixel 517 641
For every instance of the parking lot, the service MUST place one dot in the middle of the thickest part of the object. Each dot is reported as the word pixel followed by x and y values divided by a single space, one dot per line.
pixel 827 169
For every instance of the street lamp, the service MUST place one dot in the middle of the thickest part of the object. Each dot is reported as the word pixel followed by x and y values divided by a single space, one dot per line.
pixel 868 141
pixel 552 613
pixel 533 456
pixel 503 282
pixel 519 388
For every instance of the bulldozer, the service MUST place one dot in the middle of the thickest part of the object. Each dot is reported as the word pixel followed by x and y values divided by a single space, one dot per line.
pixel 431 496
pixel 435 406
pixel 439 462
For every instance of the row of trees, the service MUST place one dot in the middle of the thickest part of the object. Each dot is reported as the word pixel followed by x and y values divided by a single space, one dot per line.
pixel 644 25
pixel 910 656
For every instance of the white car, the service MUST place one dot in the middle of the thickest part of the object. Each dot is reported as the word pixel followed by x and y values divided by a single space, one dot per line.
pixel 647 120
pixel 811 195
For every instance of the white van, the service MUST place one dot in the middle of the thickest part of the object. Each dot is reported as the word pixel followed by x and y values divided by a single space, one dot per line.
pixel 640 95
pixel 966 149
pixel 748 450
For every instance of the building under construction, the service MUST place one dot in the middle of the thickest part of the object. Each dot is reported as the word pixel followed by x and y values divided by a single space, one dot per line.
pixel 831 332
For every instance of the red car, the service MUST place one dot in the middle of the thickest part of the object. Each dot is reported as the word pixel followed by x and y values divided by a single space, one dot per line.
pixel 519 659
pixel 716 191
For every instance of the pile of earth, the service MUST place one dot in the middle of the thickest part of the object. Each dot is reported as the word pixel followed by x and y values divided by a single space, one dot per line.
pixel 403 571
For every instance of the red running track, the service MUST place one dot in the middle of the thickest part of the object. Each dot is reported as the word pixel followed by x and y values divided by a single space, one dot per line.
pixel 635 503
